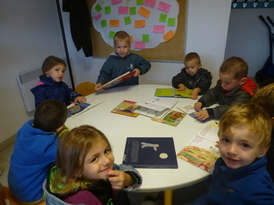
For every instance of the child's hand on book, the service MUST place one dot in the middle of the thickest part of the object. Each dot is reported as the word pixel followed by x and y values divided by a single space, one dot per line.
pixel 136 72
pixel 98 87
pixel 197 106
pixel 202 115
pixel 80 99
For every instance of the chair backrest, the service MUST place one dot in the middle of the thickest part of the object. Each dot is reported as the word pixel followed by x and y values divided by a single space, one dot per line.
pixel 85 88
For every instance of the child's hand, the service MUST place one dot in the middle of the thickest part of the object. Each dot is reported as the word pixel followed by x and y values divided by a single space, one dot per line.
pixel 98 87
pixel 80 99
pixel 136 72
pixel 197 106
pixel 119 179
pixel 181 87
pixel 202 115
pixel 194 95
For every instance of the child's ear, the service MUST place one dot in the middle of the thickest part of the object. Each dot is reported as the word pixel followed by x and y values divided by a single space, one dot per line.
pixel 262 152
pixel 243 80
pixel 200 65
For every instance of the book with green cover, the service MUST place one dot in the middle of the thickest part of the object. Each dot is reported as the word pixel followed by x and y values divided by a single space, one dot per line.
pixel 126 108
pixel 171 117
pixel 171 92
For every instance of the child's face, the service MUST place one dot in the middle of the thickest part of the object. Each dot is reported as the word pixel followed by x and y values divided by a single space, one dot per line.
pixel 57 72
pixel 229 82
pixel 240 148
pixel 98 162
pixel 122 48
pixel 192 67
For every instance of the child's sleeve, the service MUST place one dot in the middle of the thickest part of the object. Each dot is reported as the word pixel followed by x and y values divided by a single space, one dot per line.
pixel 143 65
pixel 178 79
pixel 133 172
pixel 204 82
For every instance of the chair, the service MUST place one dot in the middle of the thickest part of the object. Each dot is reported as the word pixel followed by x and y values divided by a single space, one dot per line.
pixel 7 198
pixel 85 88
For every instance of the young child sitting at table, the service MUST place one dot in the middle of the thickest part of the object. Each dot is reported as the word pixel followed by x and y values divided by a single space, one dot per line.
pixel 121 61
pixel 240 175
pixel 234 87
pixel 265 98
pixel 85 172
pixel 51 85
pixel 35 149
pixel 193 76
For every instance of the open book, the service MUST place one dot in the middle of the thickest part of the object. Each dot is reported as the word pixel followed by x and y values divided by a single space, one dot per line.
pixel 117 80
pixel 171 92
pixel 171 117
pixel 201 151
pixel 126 108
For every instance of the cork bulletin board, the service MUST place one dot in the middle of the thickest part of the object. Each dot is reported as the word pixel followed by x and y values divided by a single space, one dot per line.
pixel 171 50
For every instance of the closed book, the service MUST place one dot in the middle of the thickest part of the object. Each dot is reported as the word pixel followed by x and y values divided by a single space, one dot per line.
pixel 150 152
pixel 171 92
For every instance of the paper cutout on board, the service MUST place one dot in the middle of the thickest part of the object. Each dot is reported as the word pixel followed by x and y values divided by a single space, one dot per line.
pixel 152 18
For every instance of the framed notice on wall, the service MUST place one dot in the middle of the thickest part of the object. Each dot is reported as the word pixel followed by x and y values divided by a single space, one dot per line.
pixel 156 27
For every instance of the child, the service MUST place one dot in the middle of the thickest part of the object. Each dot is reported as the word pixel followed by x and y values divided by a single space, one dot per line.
pixel 234 87
pixel 121 61
pixel 51 85
pixel 85 172
pixel 35 149
pixel 265 98
pixel 193 76
pixel 240 175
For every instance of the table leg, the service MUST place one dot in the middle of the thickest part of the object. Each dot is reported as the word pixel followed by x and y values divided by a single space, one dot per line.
pixel 168 197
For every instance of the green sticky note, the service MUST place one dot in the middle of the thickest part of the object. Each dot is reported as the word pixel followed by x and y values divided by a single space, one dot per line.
pixel 163 17
pixel 132 10
pixel 171 21
pixel 145 37
pixel 127 20
pixel 98 8
pixel 103 23
pixel 107 10
pixel 139 2
pixel 111 34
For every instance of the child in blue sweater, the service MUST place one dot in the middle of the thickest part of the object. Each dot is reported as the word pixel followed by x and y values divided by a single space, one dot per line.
pixel 121 61
pixel 51 85
pixel 35 149
pixel 240 175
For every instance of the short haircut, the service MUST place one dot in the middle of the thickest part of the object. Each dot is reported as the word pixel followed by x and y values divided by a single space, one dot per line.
pixel 50 62
pixel 192 55
pixel 236 66
pixel 50 115
pixel 264 97
pixel 72 149
pixel 248 115
pixel 120 36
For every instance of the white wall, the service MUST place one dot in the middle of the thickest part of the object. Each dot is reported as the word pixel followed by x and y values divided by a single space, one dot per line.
pixel 29 32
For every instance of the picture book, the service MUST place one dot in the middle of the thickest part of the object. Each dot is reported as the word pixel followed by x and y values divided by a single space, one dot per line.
pixel 171 117
pixel 117 80
pixel 202 151
pixel 126 108
pixel 150 152
pixel 78 108
pixel 171 92
pixel 186 108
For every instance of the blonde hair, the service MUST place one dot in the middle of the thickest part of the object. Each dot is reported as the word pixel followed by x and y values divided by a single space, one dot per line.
pixel 264 97
pixel 120 36
pixel 248 115
pixel 192 55
pixel 72 150
pixel 236 66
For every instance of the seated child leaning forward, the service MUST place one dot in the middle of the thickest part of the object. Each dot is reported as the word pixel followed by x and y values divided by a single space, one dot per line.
pixel 234 87
pixel 193 76
pixel 51 85
pixel 240 175
pixel 121 61
pixel 35 150
pixel 265 98
pixel 85 172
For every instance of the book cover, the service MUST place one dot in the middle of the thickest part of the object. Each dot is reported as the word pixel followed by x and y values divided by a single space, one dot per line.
pixel 117 80
pixel 171 92
pixel 202 121
pixel 201 151
pixel 150 152
pixel 172 118
pixel 126 108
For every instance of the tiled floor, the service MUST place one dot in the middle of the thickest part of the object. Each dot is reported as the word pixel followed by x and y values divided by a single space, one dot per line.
pixel 180 196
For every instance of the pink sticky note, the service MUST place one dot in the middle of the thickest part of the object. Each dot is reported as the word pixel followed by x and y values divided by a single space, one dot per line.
pixel 98 16
pixel 140 45
pixel 158 29
pixel 150 3
pixel 123 10
pixel 116 1
pixel 164 6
